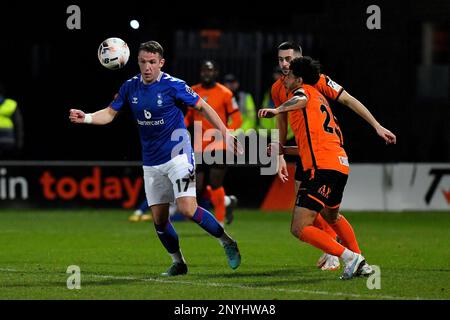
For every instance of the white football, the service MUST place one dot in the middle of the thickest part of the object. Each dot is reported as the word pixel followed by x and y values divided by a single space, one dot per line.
pixel 113 53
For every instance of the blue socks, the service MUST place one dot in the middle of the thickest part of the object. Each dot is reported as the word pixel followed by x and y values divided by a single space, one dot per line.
pixel 144 206
pixel 208 222
pixel 168 237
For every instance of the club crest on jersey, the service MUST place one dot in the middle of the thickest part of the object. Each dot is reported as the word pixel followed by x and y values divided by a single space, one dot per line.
pixel 135 100
pixel 147 114
pixel 159 101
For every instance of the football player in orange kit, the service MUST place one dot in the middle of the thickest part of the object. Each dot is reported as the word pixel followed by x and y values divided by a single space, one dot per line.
pixel 325 164
pixel 222 101
pixel 286 52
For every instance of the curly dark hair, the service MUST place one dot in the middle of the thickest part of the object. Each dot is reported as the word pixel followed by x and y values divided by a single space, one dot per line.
pixel 307 68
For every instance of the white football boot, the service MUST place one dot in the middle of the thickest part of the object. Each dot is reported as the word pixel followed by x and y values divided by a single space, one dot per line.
pixel 353 267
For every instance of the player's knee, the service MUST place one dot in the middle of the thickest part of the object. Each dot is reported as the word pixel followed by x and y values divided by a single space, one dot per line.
pixel 160 219
pixel 187 208
pixel 215 185
pixel 330 216
pixel 296 230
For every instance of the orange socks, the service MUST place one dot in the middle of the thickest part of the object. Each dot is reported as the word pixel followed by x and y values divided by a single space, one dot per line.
pixel 218 202
pixel 321 240
pixel 320 223
pixel 345 232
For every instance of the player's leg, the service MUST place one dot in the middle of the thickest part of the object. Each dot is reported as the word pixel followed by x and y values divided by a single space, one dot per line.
pixel 311 199
pixel 158 190
pixel 302 228
pixel 169 238
pixel 217 191
pixel 204 192
pixel 336 182
pixel 206 220
pixel 201 173
pixel 326 261
pixel 231 203
pixel 180 172
pixel 342 227
pixel 347 235
pixel 320 223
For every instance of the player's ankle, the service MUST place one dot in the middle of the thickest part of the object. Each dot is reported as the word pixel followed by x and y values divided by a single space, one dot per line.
pixel 347 255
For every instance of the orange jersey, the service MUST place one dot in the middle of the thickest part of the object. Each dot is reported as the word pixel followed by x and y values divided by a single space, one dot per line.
pixel 220 98
pixel 325 85
pixel 318 136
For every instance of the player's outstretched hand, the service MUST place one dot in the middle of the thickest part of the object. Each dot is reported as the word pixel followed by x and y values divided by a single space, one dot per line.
pixel 267 113
pixel 76 116
pixel 387 135
pixel 234 145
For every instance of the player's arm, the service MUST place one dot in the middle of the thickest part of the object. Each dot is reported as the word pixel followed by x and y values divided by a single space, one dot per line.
pixel 281 149
pixel 282 119
pixel 215 120
pixel 282 126
pixel 346 99
pixel 290 150
pixel 297 102
pixel 101 117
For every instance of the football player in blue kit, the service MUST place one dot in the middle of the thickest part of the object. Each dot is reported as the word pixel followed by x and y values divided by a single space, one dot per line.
pixel 169 169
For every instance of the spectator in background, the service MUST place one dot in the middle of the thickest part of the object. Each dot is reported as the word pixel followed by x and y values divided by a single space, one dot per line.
pixel 11 126
pixel 140 215
pixel 244 101
pixel 210 178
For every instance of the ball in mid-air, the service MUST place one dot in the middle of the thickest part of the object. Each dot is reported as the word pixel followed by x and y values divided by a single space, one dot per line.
pixel 113 53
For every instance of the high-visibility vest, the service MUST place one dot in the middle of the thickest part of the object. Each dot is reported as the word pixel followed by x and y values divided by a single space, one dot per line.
pixel 271 123
pixel 248 110
pixel 7 109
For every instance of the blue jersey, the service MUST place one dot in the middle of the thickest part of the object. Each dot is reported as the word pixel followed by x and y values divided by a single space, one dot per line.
pixel 156 109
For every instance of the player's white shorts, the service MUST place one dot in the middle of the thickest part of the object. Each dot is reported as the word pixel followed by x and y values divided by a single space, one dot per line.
pixel 168 181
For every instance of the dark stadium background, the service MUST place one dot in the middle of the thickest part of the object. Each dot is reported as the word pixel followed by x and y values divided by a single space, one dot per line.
pixel 49 69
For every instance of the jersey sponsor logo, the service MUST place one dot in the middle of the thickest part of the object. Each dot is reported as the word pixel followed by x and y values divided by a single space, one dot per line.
pixel 324 191
pixel 343 161
pixel 150 123
pixel 333 85
pixel 191 91
pixel 147 114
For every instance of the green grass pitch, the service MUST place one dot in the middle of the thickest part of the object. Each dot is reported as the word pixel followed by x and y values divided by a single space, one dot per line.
pixel 122 260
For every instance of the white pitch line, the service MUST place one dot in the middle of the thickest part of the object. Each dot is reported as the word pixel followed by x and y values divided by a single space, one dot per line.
pixel 238 286
pixel 8 270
